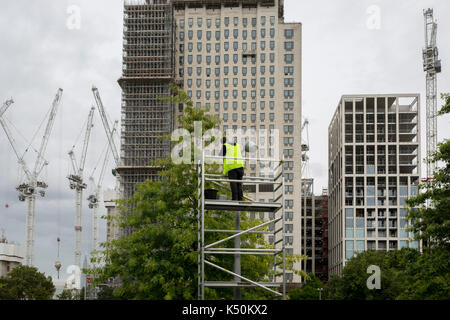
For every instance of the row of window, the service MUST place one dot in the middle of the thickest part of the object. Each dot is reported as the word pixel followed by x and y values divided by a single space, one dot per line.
pixel 245 21
pixel 288 82
pixel 226 34
pixel 262 117
pixel 288 58
pixel 226 70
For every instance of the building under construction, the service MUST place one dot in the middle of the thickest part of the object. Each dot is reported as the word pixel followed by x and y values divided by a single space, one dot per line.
pixel 148 68
pixel 315 231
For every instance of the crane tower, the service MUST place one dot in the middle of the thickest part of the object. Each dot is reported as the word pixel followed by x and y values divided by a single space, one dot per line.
pixel 432 66
pixel 77 184
pixel 28 189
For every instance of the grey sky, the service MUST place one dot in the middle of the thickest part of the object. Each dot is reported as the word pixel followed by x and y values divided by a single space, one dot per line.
pixel 39 54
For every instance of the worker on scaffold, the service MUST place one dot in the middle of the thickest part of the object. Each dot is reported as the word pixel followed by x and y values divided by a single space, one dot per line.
pixel 233 168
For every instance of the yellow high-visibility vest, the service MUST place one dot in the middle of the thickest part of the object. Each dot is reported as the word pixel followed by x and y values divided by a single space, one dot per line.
pixel 232 152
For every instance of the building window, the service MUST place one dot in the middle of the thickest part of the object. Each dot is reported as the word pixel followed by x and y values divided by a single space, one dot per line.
pixel 263 33
pixel 289 33
pixel 288 46
pixel 288 58
pixel 272 45
pixel 272 33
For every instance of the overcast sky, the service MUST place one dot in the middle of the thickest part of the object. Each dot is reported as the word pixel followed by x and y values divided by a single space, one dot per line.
pixel 346 50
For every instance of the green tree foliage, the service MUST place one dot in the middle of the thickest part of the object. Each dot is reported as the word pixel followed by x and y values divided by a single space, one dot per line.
pixel 432 224
pixel 308 291
pixel 158 260
pixel 69 294
pixel 428 277
pixel 26 283
pixel 353 283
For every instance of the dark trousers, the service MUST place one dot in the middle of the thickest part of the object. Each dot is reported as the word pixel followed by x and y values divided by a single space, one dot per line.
pixel 236 187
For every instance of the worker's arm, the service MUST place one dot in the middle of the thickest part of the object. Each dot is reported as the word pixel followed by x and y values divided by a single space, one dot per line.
pixel 224 150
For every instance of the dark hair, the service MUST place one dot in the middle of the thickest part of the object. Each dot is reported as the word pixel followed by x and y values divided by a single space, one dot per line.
pixel 224 139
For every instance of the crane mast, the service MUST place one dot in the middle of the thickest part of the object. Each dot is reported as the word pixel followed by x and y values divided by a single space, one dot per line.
pixel 28 189
pixel 106 125
pixel 432 66
pixel 76 183
pixel 94 198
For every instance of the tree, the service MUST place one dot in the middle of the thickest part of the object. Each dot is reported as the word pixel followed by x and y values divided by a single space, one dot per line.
pixel 26 283
pixel 406 274
pixel 353 283
pixel 106 293
pixel 158 260
pixel 432 223
pixel 69 294
pixel 428 276
pixel 308 291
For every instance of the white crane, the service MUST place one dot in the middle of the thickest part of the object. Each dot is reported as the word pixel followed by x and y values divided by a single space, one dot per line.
pixel 432 66
pixel 77 184
pixel 94 197
pixel 28 189
pixel 5 106
pixel 305 146
pixel 106 126
pixel 109 135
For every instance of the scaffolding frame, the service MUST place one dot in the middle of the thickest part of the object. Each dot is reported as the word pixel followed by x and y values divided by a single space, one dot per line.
pixel 277 207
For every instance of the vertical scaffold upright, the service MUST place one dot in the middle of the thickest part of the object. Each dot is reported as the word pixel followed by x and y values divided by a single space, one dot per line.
pixel 275 206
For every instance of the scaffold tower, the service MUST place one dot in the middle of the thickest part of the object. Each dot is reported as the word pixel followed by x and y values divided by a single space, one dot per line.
pixel 276 284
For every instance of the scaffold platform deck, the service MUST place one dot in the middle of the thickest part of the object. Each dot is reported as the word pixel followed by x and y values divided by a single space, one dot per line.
pixel 230 205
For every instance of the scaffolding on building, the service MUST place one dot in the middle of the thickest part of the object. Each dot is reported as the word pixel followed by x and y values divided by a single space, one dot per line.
pixel 276 206
pixel 148 69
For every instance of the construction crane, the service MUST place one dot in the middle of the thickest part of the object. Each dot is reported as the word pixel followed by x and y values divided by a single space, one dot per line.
pixel 28 189
pixel 5 106
pixel 432 66
pixel 106 126
pixel 94 197
pixel 77 183
pixel 305 146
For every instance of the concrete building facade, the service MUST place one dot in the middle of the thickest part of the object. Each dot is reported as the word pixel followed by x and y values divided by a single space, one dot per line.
pixel 239 59
pixel 11 256
pixel 374 165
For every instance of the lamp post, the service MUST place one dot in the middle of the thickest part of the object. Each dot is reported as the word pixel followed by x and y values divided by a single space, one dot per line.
pixel 320 293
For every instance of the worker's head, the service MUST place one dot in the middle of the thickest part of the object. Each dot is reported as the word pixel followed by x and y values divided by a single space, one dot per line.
pixel 224 139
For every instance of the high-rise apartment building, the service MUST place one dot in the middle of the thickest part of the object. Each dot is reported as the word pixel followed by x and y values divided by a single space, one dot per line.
pixel 236 57
pixel 374 165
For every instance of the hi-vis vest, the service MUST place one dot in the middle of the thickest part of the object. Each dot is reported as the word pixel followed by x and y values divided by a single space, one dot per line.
pixel 232 152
